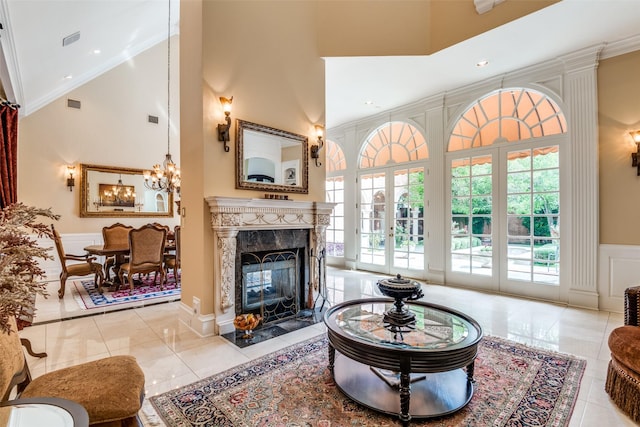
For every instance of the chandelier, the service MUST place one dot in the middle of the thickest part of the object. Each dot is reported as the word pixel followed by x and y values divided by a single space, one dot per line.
pixel 165 177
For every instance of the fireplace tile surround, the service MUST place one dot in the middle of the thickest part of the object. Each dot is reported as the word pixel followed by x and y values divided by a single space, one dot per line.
pixel 230 215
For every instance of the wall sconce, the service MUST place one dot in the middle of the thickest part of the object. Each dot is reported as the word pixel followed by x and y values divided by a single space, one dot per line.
pixel 71 182
pixel 315 149
pixel 223 128
pixel 634 156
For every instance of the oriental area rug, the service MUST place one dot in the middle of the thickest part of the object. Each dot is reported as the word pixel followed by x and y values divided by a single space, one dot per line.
pixel 87 297
pixel 516 385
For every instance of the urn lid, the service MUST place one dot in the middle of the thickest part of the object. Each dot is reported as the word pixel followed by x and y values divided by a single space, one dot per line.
pixel 398 282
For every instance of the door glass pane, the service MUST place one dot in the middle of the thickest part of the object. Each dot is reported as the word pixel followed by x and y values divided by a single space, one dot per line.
pixel 471 215
pixel 408 233
pixel 372 218
pixel 533 221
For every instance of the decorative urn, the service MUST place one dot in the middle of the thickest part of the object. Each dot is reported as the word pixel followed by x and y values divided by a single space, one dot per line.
pixel 400 289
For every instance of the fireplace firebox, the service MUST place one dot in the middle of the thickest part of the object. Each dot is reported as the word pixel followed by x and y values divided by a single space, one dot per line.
pixel 271 273
pixel 271 285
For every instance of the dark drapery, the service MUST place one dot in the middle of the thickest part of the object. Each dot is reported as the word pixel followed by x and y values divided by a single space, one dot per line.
pixel 8 155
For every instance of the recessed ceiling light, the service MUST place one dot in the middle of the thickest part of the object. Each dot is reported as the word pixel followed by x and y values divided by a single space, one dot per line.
pixel 96 51
pixel 68 77
pixel 368 102
pixel 482 63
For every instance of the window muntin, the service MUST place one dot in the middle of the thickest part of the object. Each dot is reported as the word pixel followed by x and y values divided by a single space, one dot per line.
pixel 395 142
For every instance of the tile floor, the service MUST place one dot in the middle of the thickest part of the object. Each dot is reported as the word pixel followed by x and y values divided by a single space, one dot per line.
pixel 172 355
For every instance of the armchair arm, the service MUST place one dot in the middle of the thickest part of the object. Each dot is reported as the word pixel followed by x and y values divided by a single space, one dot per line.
pixel 85 257
pixel 632 306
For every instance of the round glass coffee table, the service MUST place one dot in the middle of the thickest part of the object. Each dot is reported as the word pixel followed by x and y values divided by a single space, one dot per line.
pixel 423 370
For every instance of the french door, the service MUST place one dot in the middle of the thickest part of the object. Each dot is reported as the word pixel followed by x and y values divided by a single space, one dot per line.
pixel 391 220
pixel 504 210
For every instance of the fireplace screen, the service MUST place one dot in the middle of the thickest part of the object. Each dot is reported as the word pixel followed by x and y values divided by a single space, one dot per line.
pixel 270 284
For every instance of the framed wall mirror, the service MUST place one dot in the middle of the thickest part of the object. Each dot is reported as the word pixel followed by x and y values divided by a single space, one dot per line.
pixel 270 159
pixel 108 191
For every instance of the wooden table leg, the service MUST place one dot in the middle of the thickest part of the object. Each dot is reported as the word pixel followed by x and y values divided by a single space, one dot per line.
pixel 405 391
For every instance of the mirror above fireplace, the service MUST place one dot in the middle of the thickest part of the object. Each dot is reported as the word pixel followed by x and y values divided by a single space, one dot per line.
pixel 270 159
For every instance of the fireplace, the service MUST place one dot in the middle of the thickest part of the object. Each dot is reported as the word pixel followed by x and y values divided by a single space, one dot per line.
pixel 271 273
pixel 267 235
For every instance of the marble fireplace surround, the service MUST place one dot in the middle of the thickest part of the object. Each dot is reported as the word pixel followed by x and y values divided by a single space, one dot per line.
pixel 230 215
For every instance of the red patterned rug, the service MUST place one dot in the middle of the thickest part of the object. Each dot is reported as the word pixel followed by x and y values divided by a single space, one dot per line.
pixel 88 297
pixel 516 385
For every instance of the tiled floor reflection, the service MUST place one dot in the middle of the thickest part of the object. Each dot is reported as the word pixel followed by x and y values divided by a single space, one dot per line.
pixel 172 355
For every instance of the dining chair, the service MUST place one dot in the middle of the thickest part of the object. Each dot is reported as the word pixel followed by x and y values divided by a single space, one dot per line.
pixel 115 236
pixel 172 260
pixel 146 254
pixel 76 265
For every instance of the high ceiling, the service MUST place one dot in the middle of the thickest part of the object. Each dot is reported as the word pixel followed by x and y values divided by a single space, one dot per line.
pixel 37 63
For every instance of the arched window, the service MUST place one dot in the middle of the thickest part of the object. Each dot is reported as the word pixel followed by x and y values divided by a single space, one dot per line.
pixel 505 178
pixel 394 142
pixel 334 185
pixel 507 115
pixel 391 176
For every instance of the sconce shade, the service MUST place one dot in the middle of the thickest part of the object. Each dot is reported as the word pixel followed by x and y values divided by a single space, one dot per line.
pixel 315 149
pixel 634 156
pixel 71 182
pixel 223 128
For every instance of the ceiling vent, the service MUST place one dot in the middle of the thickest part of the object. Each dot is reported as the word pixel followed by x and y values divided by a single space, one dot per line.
pixel 153 119
pixel 73 103
pixel 70 39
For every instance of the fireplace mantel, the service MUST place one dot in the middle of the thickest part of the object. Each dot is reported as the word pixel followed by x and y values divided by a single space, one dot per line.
pixel 229 215
pixel 254 214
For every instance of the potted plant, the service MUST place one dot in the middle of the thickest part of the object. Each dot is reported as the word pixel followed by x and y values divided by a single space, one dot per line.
pixel 20 274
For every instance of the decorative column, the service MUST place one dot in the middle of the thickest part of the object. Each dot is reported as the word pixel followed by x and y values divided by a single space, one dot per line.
pixel 226 260
pixel 582 104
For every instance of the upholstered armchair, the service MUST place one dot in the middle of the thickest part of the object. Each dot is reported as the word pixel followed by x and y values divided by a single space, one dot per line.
pixel 115 236
pixel 110 389
pixel 172 260
pixel 623 374
pixel 76 265
pixel 146 245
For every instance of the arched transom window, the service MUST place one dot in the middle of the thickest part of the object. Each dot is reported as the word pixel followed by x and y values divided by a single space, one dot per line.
pixel 394 142
pixel 335 158
pixel 505 116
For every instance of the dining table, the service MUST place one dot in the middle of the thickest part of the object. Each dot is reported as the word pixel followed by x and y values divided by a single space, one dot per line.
pixel 120 253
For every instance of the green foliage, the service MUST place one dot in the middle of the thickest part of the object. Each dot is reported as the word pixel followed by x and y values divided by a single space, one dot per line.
pixel 543 254
pixel 463 242
pixel 19 253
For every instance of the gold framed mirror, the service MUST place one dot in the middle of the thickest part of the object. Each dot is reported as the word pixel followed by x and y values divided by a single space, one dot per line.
pixel 270 159
pixel 108 191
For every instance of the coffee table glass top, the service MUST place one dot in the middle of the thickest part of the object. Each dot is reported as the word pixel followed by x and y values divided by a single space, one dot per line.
pixel 435 328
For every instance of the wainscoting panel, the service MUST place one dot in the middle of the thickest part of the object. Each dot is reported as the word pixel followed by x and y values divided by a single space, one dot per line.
pixel 619 268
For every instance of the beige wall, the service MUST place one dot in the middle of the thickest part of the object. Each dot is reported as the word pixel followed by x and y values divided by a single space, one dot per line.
pixel 110 129
pixel 264 54
pixel 618 113
pixel 408 27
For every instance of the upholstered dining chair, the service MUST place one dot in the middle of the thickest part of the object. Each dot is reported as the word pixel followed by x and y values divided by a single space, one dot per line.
pixel 110 389
pixel 146 254
pixel 172 260
pixel 76 265
pixel 115 236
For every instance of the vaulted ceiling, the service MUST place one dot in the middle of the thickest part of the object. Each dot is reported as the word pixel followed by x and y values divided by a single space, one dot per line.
pixel 37 68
